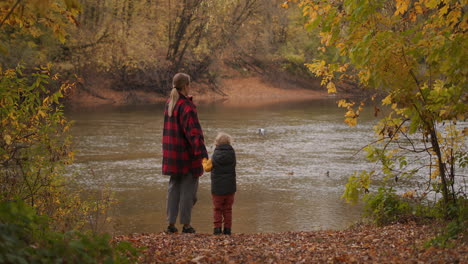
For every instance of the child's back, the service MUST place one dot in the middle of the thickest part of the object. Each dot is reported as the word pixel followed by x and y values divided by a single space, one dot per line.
pixel 223 174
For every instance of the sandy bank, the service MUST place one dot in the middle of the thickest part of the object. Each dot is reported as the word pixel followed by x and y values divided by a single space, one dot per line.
pixel 253 91
pixel 248 91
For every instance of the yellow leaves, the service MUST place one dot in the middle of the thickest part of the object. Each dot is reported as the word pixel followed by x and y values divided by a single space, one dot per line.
pixel 7 139
pixel 364 76
pixel 409 194
pixel 453 17
pixel 464 24
pixel 9 73
pixel 41 113
pixel 319 68
pixel 325 38
pixel 318 65
pixel 343 68
pixel 418 8
pixel 401 7
pixel 331 88
pixel 351 114
pixel 35 18
pixel 443 113
pixel 46 100
pixel 387 100
pixel 311 12
pixel 344 103
pixel 460 117
pixel 443 10
pixel 342 48
pixel 435 173
pixel 431 3
pixel 351 121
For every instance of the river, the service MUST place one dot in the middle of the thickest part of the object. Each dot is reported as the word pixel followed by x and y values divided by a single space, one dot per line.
pixel 290 179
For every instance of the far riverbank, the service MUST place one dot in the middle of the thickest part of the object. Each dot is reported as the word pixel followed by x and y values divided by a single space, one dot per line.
pixel 238 91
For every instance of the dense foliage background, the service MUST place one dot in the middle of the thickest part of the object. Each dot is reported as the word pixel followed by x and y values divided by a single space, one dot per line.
pixel 140 44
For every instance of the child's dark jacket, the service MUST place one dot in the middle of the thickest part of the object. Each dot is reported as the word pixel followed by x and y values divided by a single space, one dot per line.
pixel 223 174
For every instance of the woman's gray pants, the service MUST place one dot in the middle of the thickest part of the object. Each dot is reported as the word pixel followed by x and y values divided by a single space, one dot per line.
pixel 181 194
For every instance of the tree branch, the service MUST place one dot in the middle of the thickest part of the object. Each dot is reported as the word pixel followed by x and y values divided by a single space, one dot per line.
pixel 9 13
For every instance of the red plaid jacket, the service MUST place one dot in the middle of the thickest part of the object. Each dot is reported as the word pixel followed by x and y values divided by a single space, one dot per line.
pixel 183 142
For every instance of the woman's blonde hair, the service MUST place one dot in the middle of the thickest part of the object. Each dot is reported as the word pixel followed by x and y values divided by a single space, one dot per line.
pixel 179 81
pixel 223 138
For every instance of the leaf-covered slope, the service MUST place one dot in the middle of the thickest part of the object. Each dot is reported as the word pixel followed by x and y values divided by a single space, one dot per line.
pixel 391 244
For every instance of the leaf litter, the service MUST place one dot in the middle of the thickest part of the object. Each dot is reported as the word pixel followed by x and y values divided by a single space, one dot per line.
pixel 397 243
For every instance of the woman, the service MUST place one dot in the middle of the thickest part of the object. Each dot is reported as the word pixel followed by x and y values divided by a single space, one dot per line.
pixel 183 151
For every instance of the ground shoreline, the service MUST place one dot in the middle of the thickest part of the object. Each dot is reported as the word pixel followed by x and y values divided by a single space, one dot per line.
pixel 239 91
pixel 397 243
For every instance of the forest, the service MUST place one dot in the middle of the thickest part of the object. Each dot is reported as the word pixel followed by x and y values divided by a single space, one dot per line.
pixel 408 57
pixel 139 45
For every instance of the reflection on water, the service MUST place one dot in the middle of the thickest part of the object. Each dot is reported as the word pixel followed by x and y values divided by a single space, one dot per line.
pixel 291 179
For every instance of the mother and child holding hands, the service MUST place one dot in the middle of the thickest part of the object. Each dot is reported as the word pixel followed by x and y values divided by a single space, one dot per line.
pixel 185 158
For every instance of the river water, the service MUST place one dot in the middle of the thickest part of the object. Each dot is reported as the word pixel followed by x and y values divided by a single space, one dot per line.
pixel 290 179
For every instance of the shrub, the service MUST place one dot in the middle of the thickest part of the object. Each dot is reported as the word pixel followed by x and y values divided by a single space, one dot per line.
pixel 25 237
pixel 455 228
pixel 386 206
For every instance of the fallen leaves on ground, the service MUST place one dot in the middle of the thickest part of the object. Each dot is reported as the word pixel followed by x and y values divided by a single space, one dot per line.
pixel 399 243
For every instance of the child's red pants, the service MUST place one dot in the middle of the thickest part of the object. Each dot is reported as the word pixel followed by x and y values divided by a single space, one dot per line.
pixel 222 210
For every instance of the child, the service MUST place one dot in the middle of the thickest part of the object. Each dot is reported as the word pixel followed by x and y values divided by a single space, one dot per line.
pixel 223 182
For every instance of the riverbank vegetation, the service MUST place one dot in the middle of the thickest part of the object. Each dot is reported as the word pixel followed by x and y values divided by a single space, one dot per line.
pixel 43 217
pixel 413 52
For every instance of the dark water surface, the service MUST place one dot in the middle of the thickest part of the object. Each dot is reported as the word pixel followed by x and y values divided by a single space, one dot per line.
pixel 291 179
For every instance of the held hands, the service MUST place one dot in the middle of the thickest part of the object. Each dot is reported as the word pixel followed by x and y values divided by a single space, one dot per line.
pixel 207 165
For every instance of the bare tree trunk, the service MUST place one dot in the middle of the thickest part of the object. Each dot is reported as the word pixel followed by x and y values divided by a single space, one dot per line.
pixel 184 19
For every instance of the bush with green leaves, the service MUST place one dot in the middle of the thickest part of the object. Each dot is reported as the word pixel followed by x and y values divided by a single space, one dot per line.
pixel 455 228
pixel 35 145
pixel 385 206
pixel 25 237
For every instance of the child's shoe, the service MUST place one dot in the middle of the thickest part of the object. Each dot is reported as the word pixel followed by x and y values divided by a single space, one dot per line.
pixel 217 231
pixel 227 231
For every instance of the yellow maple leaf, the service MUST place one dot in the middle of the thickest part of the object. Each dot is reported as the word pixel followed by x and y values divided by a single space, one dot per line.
pixel 401 7
pixel 418 8
pixel 443 10
pixel 7 139
pixel 351 121
pixel 387 100
pixel 331 87
pixel 350 113
pixel 453 16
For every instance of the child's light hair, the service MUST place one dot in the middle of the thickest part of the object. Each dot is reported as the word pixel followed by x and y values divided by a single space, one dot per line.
pixel 223 138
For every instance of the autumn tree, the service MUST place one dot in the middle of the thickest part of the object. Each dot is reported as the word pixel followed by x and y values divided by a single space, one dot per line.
pixel 30 31
pixel 414 52
pixel 139 44
pixel 34 142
